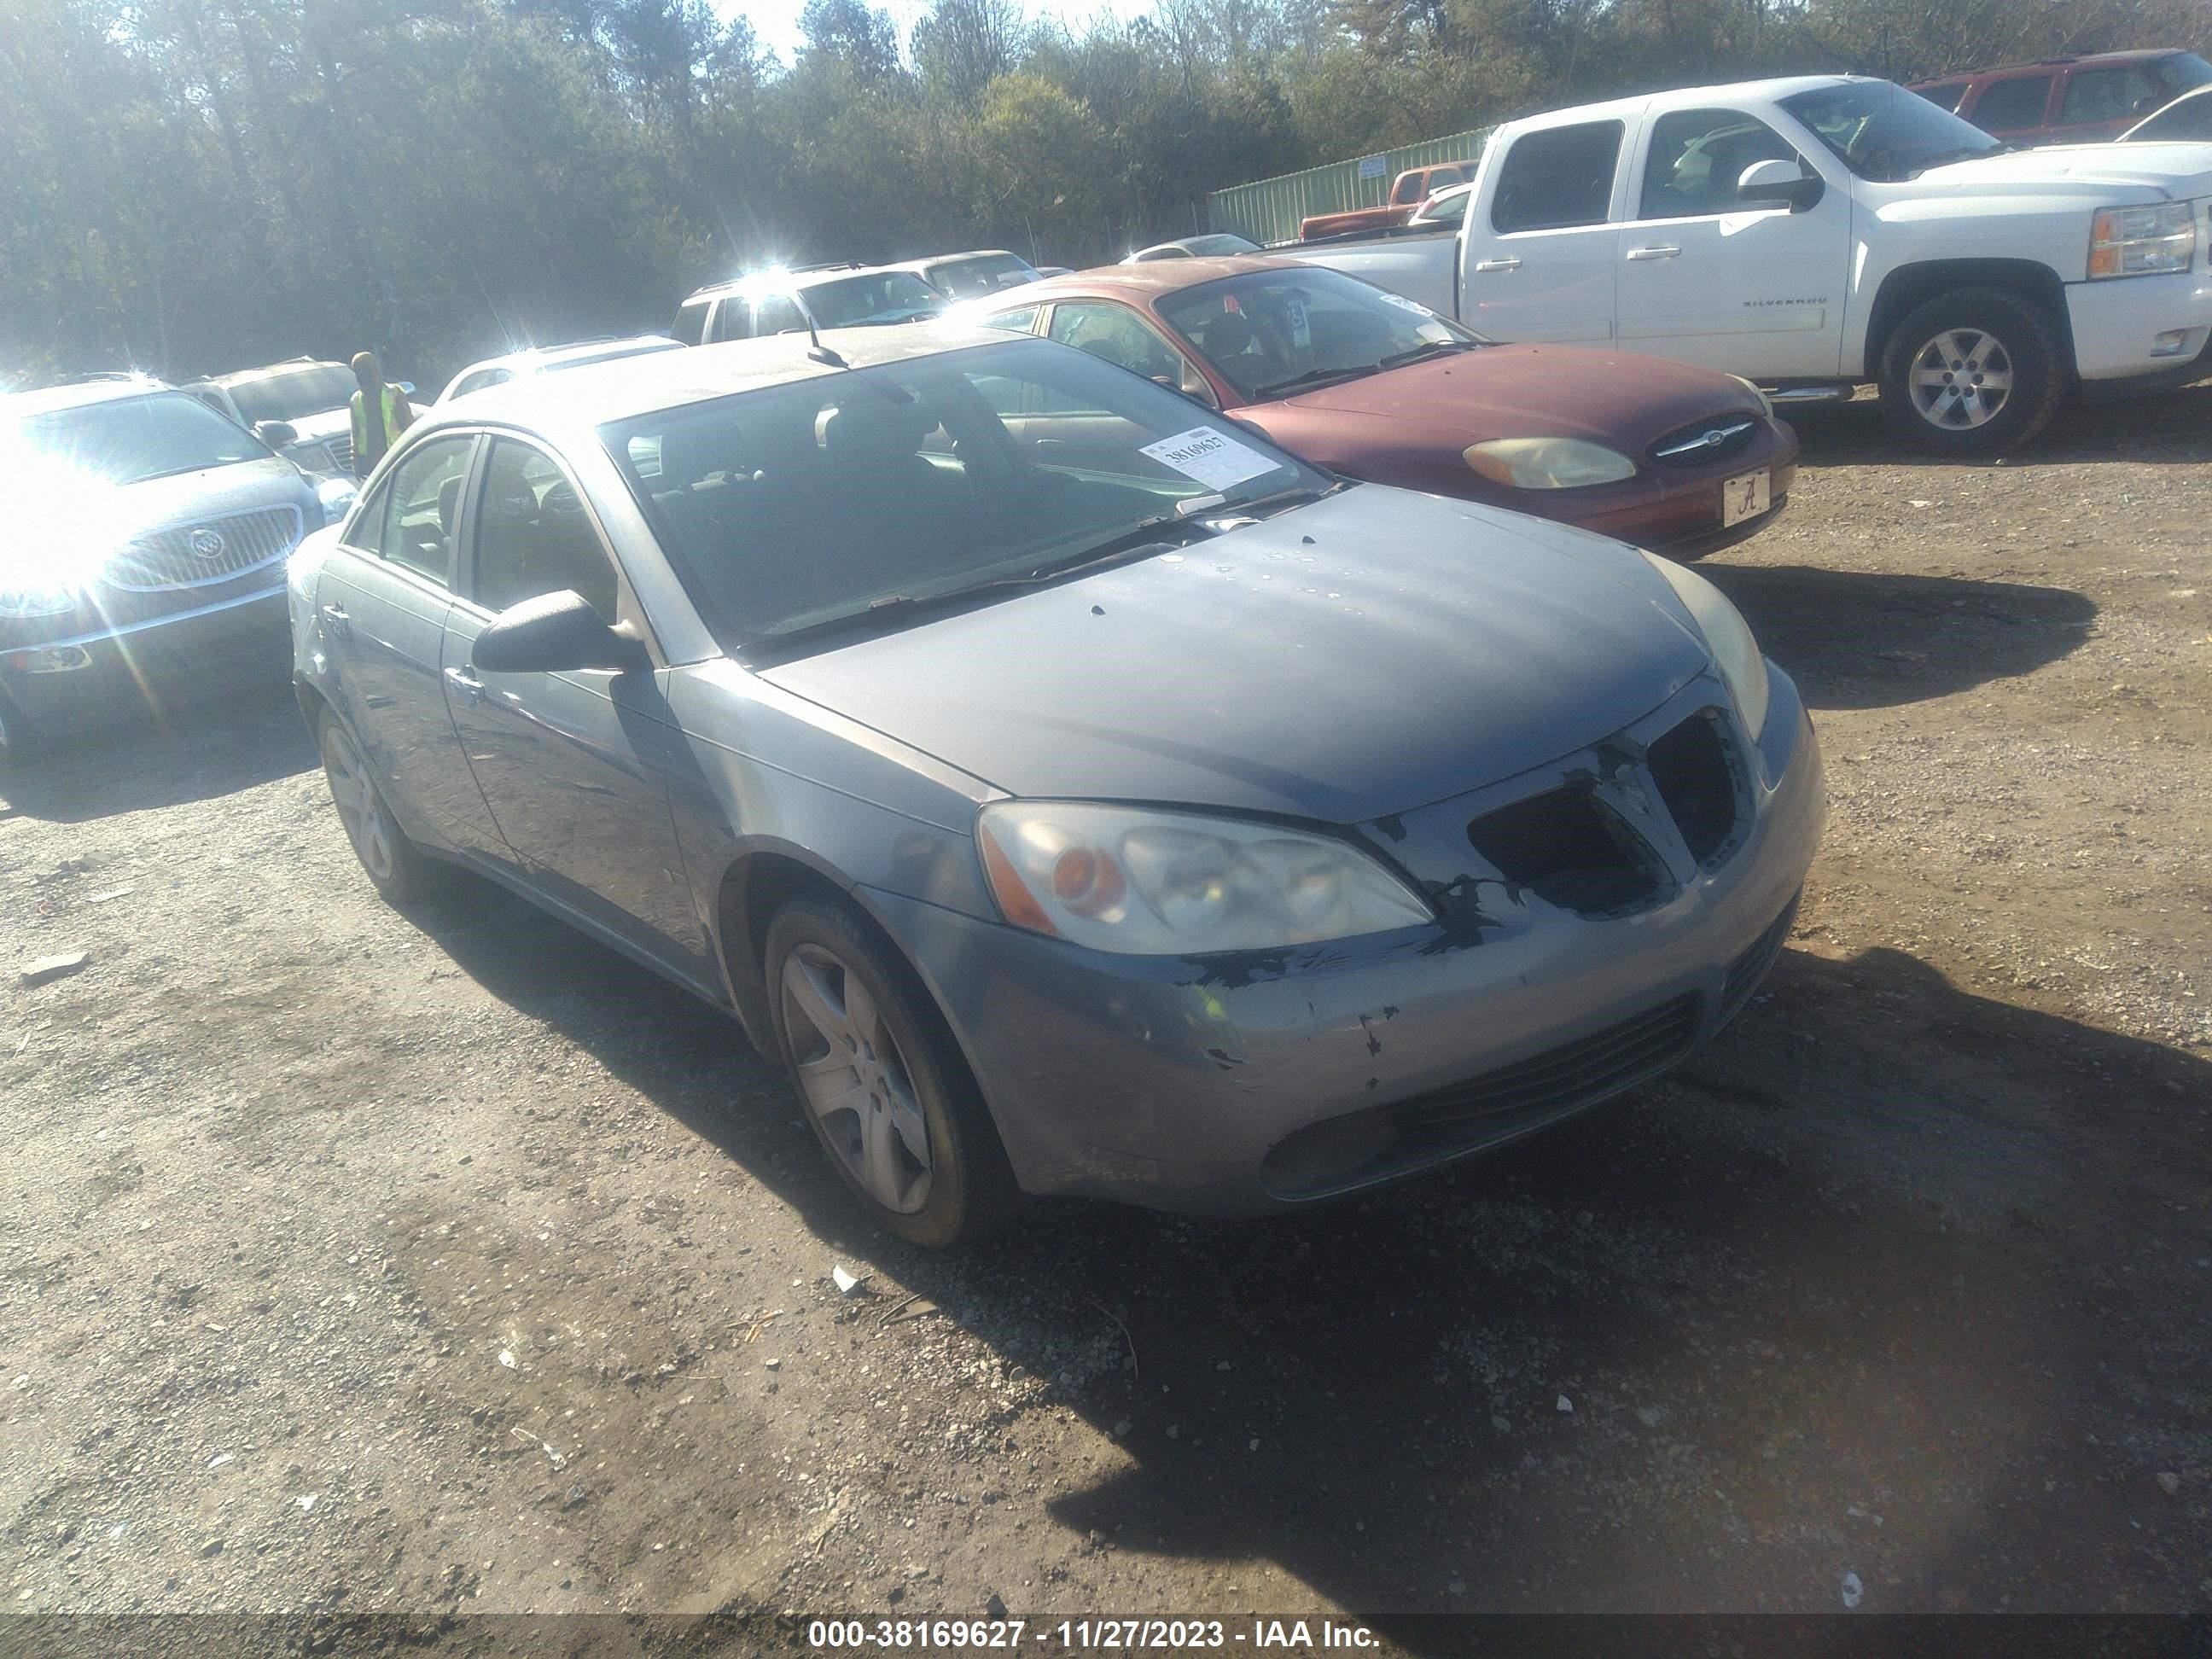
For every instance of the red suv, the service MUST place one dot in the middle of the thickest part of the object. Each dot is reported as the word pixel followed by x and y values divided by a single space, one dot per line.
pixel 2069 101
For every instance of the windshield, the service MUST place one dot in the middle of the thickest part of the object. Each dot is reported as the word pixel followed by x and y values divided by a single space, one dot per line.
pixel 887 296
pixel 294 393
pixel 2185 69
pixel 962 279
pixel 132 439
pixel 797 506
pixel 1883 133
pixel 1270 332
pixel 2185 118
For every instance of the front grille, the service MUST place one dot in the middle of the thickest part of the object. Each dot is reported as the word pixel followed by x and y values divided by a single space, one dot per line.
pixel 1389 1141
pixel 1703 442
pixel 1692 768
pixel 1746 973
pixel 1566 847
pixel 1573 846
pixel 340 444
pixel 201 554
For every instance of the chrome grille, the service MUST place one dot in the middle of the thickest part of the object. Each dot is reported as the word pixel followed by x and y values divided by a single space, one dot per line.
pixel 340 444
pixel 1714 439
pixel 200 555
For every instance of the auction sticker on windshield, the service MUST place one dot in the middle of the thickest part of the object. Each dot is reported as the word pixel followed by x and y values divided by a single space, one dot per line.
pixel 1214 459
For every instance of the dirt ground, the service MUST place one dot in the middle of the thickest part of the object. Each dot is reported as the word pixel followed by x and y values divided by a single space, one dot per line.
pixel 445 1262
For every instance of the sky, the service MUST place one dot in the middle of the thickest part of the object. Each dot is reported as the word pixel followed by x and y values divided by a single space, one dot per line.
pixel 776 22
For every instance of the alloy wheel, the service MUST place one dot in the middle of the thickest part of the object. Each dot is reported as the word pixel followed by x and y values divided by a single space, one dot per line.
pixel 855 1080
pixel 1961 379
pixel 360 808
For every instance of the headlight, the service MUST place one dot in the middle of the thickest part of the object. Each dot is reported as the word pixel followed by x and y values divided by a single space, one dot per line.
pixel 1144 883
pixel 2142 241
pixel 35 597
pixel 338 496
pixel 1765 403
pixel 1728 637
pixel 1548 463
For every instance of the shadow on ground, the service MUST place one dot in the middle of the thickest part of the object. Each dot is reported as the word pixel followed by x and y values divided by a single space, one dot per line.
pixel 197 746
pixel 1861 639
pixel 2172 429
pixel 1891 1280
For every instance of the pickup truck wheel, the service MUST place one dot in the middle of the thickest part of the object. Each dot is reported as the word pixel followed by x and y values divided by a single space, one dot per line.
pixel 1973 373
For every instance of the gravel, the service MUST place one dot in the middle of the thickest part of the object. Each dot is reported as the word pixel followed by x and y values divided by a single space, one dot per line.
pixel 1898 1284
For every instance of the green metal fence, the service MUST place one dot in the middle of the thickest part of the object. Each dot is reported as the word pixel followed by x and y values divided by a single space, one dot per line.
pixel 1268 209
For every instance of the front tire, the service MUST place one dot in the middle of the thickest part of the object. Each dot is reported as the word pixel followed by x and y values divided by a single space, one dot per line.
pixel 890 1097
pixel 400 870
pixel 1973 373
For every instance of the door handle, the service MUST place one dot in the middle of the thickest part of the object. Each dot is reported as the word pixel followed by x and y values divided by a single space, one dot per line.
pixel 340 624
pixel 466 685
pixel 1658 251
pixel 1483 267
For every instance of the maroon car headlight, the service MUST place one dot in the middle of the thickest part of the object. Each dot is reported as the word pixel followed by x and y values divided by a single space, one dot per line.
pixel 1145 883
pixel 1547 463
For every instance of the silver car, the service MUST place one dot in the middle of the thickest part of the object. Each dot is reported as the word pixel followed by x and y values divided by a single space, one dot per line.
pixel 145 549
pixel 1075 793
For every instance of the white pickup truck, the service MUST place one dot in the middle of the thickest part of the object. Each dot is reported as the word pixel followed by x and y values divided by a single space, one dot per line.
pixel 1813 233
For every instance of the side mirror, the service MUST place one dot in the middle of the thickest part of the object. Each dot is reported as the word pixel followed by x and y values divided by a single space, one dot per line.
pixel 553 634
pixel 276 434
pixel 1777 183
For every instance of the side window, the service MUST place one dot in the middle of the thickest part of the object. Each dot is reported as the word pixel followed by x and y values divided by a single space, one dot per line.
pixel 533 537
pixel 2008 105
pixel 415 521
pixel 1015 322
pixel 1945 97
pixel 1696 157
pixel 2106 95
pixel 733 319
pixel 1557 178
pixel 691 321
pixel 778 313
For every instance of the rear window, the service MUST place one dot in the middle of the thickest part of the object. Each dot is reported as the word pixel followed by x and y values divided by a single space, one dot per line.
pixel 2184 70
pixel 1558 177
pixel 2009 106
pixel 294 393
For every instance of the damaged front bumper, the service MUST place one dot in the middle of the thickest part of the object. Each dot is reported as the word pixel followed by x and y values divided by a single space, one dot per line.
pixel 1242 1085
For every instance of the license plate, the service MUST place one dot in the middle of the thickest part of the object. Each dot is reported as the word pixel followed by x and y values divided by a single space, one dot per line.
pixel 1746 497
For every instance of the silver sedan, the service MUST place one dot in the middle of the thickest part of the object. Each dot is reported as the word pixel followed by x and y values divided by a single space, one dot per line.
pixel 1075 793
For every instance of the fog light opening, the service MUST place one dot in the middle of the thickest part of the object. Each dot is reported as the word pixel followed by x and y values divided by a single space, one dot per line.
pixel 48 659
pixel 2172 343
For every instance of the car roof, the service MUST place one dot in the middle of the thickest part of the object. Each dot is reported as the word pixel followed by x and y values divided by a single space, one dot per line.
pixel 947 258
pixel 2134 55
pixel 237 377
pixel 782 280
pixel 79 395
pixel 545 356
pixel 1771 91
pixel 624 387
pixel 1149 280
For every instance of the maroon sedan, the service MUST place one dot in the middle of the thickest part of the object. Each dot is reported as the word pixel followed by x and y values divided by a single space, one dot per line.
pixel 1376 387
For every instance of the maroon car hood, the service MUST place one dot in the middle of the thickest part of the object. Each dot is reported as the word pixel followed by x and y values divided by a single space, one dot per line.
pixel 1533 391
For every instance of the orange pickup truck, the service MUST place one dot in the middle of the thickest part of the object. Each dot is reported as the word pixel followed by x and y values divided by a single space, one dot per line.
pixel 1407 192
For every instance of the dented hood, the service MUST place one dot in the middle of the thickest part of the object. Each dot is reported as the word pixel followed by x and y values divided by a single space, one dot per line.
pixel 1367 654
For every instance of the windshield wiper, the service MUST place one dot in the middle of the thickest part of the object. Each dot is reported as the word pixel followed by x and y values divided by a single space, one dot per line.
pixel 1961 153
pixel 1280 499
pixel 1313 377
pixel 1428 348
pixel 1141 540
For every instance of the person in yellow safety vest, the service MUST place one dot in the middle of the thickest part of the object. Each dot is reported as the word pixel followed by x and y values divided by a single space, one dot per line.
pixel 380 414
